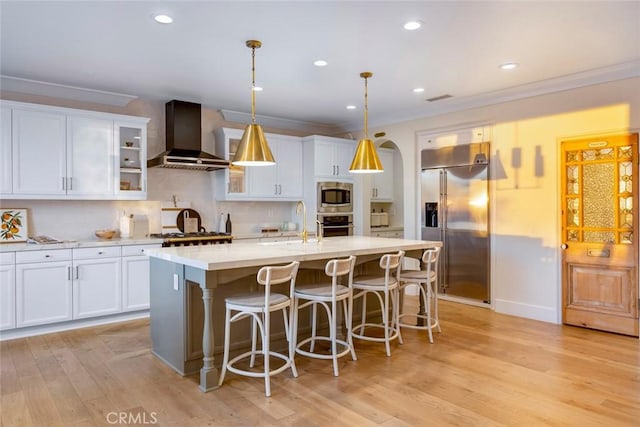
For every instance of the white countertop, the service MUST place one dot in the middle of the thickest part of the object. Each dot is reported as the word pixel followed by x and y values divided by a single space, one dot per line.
pixel 222 257
pixel 18 247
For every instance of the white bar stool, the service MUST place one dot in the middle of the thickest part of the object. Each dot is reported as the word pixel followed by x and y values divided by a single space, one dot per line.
pixel 328 296
pixel 385 288
pixel 259 306
pixel 427 281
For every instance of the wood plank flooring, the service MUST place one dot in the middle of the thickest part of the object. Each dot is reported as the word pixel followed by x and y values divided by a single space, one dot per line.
pixel 483 369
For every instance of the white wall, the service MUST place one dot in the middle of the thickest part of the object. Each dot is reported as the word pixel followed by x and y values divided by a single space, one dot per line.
pixel 524 205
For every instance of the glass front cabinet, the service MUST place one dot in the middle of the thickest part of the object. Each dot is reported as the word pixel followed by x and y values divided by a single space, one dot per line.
pixel 234 186
pixel 131 159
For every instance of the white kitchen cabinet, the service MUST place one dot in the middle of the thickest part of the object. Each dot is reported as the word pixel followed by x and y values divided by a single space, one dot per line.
pixel 90 151
pixel 382 187
pixel 135 277
pixel 397 234
pixel 7 290
pixel 43 287
pixel 39 152
pixel 97 283
pixel 331 156
pixel 282 181
pixel 6 179
pixel 231 182
pixel 63 153
pixel 131 159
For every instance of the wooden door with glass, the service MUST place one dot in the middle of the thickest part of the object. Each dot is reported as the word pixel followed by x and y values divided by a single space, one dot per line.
pixel 599 221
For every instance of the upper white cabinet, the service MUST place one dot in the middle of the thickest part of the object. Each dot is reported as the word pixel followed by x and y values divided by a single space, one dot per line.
pixel 280 182
pixel 234 185
pixel 39 145
pixel 89 157
pixel 131 159
pixel 283 180
pixel 62 153
pixel 331 156
pixel 382 188
pixel 6 180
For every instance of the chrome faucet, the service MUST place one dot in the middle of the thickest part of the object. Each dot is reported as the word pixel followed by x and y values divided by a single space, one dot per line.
pixel 301 206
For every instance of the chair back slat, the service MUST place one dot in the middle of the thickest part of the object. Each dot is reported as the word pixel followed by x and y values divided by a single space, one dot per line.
pixel 391 262
pixel 274 275
pixel 430 259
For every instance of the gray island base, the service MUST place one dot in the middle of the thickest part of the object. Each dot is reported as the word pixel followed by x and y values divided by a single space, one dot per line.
pixel 189 284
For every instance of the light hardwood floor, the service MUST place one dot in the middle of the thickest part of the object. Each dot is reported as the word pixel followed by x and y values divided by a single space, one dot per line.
pixel 483 369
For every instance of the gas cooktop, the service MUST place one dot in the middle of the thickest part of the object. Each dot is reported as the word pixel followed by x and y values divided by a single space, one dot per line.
pixel 189 235
pixel 193 239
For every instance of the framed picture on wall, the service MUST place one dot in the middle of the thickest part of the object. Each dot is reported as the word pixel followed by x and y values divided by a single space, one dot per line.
pixel 13 227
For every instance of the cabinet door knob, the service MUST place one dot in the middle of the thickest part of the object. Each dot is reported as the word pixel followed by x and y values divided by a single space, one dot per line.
pixel 564 246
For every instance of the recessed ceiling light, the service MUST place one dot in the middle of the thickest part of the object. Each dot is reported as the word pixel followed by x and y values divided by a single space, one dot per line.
pixel 509 65
pixel 351 107
pixel 412 25
pixel 320 63
pixel 163 19
pixel 418 90
pixel 257 89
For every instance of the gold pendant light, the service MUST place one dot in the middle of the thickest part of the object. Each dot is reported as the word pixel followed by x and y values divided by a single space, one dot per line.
pixel 366 159
pixel 253 149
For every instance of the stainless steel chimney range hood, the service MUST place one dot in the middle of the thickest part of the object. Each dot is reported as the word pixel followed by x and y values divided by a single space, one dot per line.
pixel 184 135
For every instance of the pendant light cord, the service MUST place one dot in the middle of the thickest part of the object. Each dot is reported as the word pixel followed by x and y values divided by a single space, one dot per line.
pixel 366 111
pixel 253 85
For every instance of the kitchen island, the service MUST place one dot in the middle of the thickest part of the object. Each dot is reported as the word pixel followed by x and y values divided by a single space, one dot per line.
pixel 183 328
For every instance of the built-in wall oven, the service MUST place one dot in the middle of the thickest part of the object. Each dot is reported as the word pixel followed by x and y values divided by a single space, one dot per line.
pixel 336 224
pixel 335 197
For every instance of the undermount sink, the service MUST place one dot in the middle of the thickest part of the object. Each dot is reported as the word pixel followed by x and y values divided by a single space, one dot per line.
pixel 287 242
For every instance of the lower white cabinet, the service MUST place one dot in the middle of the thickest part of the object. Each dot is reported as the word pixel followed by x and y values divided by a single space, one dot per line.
pixel 135 277
pixel 397 234
pixel 96 281
pixel 43 287
pixel 47 286
pixel 7 291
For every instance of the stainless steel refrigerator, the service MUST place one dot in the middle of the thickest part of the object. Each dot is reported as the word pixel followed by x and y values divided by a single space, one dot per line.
pixel 455 206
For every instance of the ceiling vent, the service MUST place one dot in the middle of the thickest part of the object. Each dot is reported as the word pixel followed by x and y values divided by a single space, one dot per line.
pixel 439 98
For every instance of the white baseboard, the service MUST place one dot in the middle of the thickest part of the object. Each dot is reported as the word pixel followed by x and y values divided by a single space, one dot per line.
pixel 31 331
pixel 529 311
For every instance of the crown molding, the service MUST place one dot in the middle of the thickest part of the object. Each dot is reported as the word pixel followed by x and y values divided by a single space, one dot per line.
pixel 35 87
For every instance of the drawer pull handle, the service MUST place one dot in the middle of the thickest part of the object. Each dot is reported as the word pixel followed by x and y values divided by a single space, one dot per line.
pixel 100 253
pixel 47 256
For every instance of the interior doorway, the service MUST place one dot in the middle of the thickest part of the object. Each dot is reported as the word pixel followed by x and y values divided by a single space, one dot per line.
pixel 599 191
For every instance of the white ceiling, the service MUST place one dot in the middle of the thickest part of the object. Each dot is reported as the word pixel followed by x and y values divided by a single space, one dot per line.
pixel 202 57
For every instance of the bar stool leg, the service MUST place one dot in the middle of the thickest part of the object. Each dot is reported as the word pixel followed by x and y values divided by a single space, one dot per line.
pixel 254 338
pixel 332 337
pixel 225 358
pixel 347 307
pixel 314 318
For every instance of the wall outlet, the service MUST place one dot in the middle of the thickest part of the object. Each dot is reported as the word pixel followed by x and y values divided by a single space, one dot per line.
pixel 176 283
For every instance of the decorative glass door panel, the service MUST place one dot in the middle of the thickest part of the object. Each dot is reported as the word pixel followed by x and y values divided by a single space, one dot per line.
pixel 599 217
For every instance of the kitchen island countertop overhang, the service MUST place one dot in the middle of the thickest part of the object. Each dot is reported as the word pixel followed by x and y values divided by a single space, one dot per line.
pixel 176 271
pixel 237 255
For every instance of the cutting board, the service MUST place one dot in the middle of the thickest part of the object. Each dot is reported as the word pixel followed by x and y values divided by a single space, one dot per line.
pixel 188 221
pixel 169 214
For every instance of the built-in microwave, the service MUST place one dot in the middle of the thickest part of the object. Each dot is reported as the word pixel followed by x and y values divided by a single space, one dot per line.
pixel 335 197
